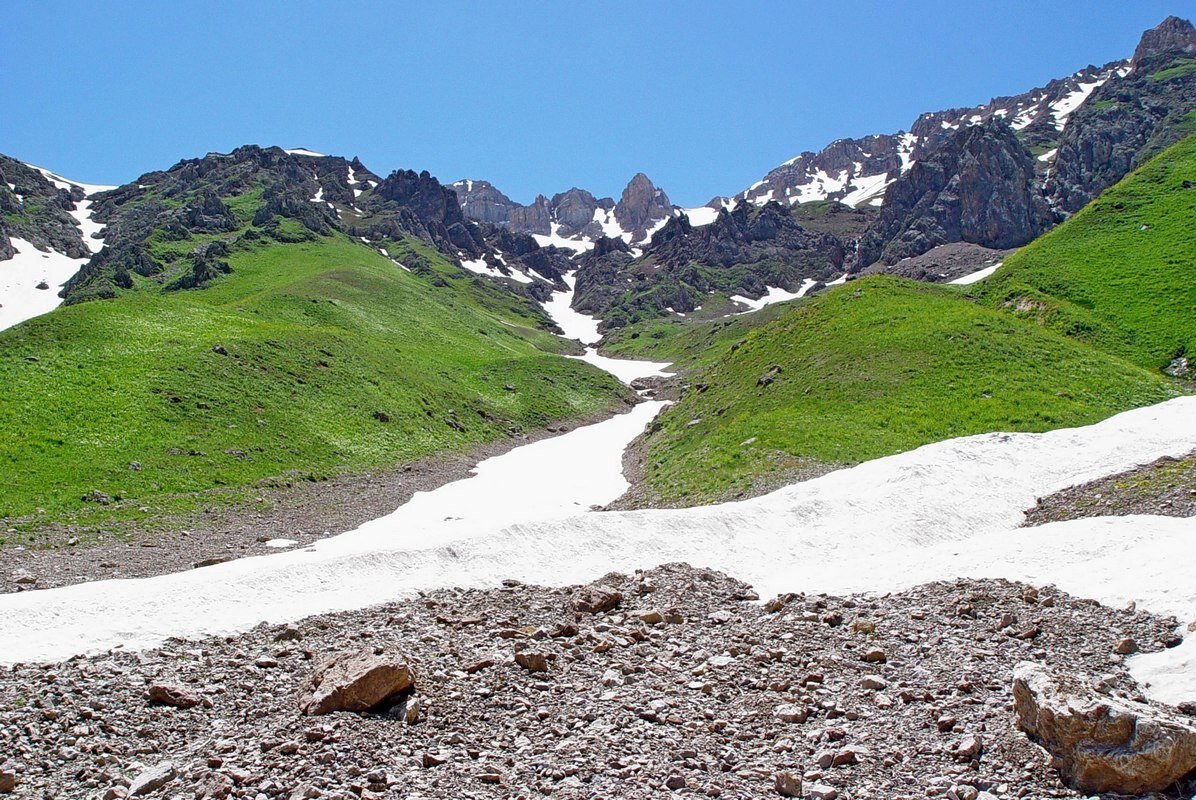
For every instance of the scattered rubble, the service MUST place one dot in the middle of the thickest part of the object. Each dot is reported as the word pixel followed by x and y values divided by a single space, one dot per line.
pixel 723 697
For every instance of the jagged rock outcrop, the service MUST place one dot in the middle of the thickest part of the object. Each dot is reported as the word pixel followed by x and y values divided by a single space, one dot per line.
pixel 574 213
pixel 34 209
pixel 1099 743
pixel 857 171
pixel 642 206
pixel 1130 118
pixel 1171 36
pixel 482 201
pixel 743 251
pixel 536 218
pixel 979 187
pixel 574 209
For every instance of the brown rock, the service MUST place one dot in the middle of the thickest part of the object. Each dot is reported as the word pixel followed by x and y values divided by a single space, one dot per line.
pixel 788 784
pixel 355 682
pixel 596 599
pixel 1100 744
pixel 532 660
pixel 1125 647
pixel 164 695
pixel 874 656
pixel 8 782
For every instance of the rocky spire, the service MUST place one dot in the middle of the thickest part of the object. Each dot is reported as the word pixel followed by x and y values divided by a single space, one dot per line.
pixel 1172 35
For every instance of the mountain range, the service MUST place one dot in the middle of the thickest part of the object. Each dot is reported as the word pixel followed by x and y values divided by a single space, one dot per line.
pixel 949 196
pixel 279 310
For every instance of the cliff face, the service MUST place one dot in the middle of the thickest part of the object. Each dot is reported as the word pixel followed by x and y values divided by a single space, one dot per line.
pixel 978 187
pixel 1130 118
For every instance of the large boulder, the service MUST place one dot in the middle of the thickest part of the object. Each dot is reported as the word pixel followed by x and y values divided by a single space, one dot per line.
pixel 1102 744
pixel 356 682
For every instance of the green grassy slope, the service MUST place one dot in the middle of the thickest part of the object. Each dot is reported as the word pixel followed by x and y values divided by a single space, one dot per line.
pixel 275 371
pixel 1120 274
pixel 869 369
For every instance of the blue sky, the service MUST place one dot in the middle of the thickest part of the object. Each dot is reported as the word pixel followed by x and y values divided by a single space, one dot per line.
pixel 704 97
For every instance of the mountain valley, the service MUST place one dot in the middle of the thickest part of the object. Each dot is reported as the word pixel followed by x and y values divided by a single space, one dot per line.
pixel 874 479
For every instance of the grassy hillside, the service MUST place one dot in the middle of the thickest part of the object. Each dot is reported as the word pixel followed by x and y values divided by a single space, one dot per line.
pixel 869 369
pixel 1120 274
pixel 306 360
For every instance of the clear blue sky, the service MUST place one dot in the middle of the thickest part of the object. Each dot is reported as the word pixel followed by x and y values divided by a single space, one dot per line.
pixel 704 97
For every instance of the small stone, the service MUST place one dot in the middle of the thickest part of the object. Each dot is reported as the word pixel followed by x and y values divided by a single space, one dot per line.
pixel 24 577
pixel 8 781
pixel 792 712
pixel 873 682
pixel 433 759
pixel 946 723
pixel 820 791
pixel 874 655
pixel 1125 647
pixel 289 633
pixel 674 782
pixel 355 682
pixel 651 617
pixel 966 749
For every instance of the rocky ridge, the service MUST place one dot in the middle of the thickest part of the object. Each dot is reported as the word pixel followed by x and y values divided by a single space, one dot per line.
pixel 674 681
pixel 1141 110
pixel 265 193
pixel 573 219
pixel 742 252
pixel 34 208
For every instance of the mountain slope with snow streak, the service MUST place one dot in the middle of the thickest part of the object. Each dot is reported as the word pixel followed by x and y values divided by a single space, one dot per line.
pixel 34 274
pixel 858 171
pixel 944 510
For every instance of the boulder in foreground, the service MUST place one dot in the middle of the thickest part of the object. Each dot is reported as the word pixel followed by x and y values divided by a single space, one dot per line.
pixel 1102 744
pixel 356 682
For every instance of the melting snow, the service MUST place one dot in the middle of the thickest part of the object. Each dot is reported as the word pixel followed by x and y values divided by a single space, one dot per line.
pixel 1061 109
pixel 976 276
pixel 773 295
pixel 302 151
pixel 946 510
pixel 700 216
pixel 867 189
pixel 20 299
pixel 556 240
pixel 1049 154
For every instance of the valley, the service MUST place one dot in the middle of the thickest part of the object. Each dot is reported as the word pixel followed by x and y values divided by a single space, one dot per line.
pixel 873 479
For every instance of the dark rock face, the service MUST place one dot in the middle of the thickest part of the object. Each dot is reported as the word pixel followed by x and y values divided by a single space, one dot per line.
pixel 34 209
pixel 1129 118
pixel 744 251
pixel 536 218
pixel 979 187
pixel 481 201
pixel 946 262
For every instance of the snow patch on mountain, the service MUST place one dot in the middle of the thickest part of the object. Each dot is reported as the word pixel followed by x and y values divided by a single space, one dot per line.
pixel 20 276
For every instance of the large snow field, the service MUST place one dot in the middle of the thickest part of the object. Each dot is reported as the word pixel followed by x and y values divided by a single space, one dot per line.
pixel 942 511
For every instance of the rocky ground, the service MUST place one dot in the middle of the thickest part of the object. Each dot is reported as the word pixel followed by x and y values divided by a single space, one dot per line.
pixel 686 687
pixel 1166 487
pixel 301 513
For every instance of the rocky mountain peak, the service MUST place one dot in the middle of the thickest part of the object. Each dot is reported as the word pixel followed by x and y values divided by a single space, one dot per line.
pixel 1172 35
pixel 642 204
